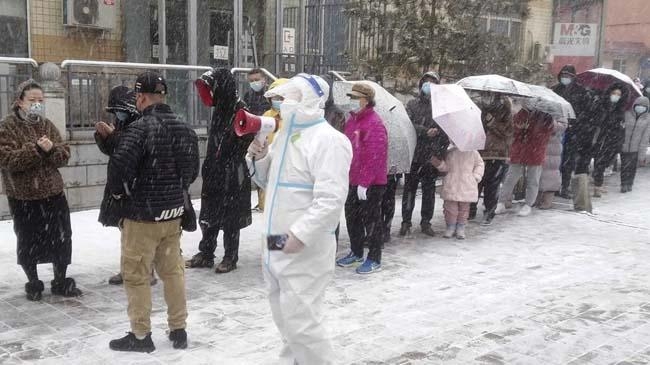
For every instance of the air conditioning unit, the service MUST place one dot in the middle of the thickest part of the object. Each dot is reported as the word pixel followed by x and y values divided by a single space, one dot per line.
pixel 99 14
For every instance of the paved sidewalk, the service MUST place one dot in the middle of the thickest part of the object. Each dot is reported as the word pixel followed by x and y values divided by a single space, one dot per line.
pixel 557 287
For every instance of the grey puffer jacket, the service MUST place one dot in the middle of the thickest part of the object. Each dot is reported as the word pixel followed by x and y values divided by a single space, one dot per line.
pixel 551 179
pixel 637 129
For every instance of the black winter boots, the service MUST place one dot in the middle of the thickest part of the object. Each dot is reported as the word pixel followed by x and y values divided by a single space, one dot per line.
pixel 200 260
pixel 34 290
pixel 67 288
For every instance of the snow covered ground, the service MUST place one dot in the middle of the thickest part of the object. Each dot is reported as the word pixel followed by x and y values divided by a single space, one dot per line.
pixel 553 288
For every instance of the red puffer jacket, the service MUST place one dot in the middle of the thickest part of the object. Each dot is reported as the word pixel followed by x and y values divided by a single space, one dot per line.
pixel 532 132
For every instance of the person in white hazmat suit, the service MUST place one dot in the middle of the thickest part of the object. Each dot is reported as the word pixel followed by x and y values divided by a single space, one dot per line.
pixel 305 173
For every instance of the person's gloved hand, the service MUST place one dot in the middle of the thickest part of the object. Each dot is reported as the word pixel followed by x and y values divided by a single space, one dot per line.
pixel 293 245
pixel 362 193
pixel 258 150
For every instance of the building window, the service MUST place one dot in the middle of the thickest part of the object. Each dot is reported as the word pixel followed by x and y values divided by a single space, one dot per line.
pixel 619 65
pixel 13 27
pixel 509 27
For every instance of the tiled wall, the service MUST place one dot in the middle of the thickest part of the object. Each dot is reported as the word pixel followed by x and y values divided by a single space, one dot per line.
pixel 54 42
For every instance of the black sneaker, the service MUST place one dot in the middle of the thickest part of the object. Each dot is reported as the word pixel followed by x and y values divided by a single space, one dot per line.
pixel 487 219
pixel 426 229
pixel 178 338
pixel 132 344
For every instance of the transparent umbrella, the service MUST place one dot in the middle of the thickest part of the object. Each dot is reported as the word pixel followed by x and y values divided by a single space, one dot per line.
pixel 547 101
pixel 401 134
pixel 496 84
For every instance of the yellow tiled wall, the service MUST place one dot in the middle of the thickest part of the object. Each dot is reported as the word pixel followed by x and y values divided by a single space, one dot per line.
pixel 54 42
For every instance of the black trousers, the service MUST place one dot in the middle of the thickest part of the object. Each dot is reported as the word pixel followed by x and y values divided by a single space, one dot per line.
pixel 495 172
pixel 576 157
pixel 629 163
pixel 208 244
pixel 388 204
pixel 604 157
pixel 363 218
pixel 427 175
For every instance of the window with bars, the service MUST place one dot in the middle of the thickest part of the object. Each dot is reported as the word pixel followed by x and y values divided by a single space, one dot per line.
pixel 619 65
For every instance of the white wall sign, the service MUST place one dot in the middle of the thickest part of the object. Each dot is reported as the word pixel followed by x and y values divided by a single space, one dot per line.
pixel 575 39
pixel 221 53
pixel 289 40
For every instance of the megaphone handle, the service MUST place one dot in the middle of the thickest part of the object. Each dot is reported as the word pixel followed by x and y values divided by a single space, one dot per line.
pixel 261 138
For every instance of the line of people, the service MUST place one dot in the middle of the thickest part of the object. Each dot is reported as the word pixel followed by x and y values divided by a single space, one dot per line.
pixel 316 165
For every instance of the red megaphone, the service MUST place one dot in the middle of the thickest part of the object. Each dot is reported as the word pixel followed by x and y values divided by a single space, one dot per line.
pixel 246 123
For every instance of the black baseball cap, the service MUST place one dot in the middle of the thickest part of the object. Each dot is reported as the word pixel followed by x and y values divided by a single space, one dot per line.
pixel 150 83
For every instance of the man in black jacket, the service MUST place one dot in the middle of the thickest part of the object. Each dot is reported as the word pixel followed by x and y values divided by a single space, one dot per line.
pixel 121 103
pixel 576 154
pixel 154 163
pixel 254 98
pixel 431 141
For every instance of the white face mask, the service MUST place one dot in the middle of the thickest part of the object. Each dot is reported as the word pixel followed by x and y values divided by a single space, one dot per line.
pixel 257 86
pixel 354 105
pixel 287 109
pixel 565 81
pixel 614 98
pixel 35 110
pixel 640 109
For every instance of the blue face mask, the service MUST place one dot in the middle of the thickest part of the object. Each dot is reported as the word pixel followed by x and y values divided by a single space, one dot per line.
pixel 426 88
pixel 121 116
pixel 640 109
pixel 276 104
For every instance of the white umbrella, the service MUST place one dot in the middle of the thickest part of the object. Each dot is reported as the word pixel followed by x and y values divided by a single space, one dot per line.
pixel 458 116
pixel 401 134
pixel 547 101
pixel 496 84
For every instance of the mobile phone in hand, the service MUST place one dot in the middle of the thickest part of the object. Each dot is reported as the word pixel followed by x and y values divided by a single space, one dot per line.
pixel 276 242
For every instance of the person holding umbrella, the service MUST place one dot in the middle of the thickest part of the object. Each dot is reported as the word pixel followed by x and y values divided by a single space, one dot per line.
pixel 496 115
pixel 431 141
pixel 609 121
pixel 576 149
pixel 532 131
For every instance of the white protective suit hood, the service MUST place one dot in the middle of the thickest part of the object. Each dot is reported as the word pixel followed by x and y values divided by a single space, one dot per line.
pixel 304 98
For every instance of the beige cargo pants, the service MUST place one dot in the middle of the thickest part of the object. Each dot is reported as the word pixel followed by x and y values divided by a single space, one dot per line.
pixel 143 244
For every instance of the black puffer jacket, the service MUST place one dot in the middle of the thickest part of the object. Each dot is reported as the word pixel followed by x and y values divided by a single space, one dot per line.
pixel 154 154
pixel 110 211
pixel 419 111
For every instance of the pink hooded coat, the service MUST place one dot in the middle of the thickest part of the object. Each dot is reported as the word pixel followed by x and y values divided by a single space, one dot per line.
pixel 369 140
pixel 464 172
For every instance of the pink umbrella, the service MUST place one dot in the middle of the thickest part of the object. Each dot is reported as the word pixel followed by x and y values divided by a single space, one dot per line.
pixel 602 78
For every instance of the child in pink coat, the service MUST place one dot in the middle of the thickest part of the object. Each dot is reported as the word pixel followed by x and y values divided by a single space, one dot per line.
pixel 464 172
